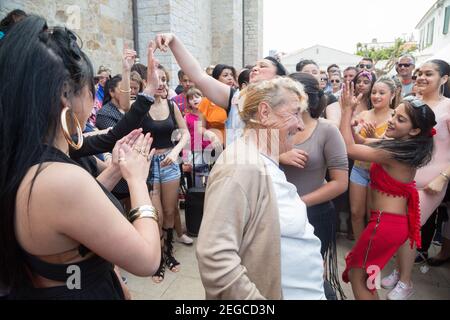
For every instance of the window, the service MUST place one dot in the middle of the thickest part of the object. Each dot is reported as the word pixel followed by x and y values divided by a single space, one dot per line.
pixel 430 33
pixel 446 20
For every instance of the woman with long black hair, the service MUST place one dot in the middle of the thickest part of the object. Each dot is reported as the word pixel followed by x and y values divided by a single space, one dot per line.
pixel 395 210
pixel 433 84
pixel 61 230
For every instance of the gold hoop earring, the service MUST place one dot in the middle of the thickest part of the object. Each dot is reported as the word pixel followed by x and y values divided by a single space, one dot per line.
pixel 65 129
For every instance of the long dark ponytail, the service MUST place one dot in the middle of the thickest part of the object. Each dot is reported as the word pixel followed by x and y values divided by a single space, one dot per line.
pixel 416 151
pixel 37 65
pixel 317 100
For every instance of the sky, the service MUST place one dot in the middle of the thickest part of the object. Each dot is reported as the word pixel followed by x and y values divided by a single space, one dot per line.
pixel 290 25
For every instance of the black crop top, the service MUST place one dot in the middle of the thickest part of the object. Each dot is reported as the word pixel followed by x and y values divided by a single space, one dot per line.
pixel 161 130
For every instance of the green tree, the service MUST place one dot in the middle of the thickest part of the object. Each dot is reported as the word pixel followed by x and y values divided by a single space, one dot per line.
pixel 391 54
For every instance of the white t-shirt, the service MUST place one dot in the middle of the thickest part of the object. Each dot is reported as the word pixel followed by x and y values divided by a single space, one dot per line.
pixel 301 261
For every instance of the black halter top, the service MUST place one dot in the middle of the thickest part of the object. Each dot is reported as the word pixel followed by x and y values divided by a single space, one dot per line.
pixel 97 279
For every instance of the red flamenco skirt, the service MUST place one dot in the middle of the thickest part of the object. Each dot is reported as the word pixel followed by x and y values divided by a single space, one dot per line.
pixel 383 236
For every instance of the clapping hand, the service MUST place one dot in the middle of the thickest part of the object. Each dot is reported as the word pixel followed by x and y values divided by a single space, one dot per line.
pixel 370 129
pixel 134 158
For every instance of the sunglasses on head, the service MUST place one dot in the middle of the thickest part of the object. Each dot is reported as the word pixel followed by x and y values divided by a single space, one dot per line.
pixel 366 66
pixel 416 103
pixel 404 65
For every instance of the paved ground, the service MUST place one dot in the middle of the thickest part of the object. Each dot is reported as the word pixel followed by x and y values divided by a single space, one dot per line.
pixel 186 284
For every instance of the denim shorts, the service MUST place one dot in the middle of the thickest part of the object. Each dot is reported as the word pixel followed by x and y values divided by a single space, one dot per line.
pixel 360 176
pixel 159 174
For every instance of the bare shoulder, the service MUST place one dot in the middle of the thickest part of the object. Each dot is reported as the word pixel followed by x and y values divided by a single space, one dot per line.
pixel 56 183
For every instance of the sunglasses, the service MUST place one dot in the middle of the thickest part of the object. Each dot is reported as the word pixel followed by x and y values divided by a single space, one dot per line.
pixel 404 65
pixel 324 79
pixel 367 66
pixel 416 103
pixel 335 81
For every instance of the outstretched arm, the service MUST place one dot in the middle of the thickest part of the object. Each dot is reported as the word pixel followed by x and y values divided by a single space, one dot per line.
pixel 131 120
pixel 357 151
pixel 216 91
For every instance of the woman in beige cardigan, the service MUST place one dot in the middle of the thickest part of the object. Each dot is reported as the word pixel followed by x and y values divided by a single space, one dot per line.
pixel 255 241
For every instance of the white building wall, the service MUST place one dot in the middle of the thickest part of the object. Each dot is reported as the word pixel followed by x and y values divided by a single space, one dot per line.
pixel 440 41
pixel 323 56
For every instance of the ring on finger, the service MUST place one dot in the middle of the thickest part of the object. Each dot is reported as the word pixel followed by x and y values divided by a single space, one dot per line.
pixel 143 153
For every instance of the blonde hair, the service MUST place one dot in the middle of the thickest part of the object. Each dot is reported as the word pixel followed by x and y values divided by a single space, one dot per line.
pixel 273 92
pixel 134 76
pixel 193 92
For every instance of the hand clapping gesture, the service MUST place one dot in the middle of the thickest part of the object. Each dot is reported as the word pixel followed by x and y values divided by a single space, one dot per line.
pixel 133 156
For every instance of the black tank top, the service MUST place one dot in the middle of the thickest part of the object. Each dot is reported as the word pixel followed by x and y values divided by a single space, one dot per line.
pixel 161 130
pixel 97 277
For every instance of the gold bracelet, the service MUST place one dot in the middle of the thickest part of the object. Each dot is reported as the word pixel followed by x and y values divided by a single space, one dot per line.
pixel 445 176
pixel 125 91
pixel 144 211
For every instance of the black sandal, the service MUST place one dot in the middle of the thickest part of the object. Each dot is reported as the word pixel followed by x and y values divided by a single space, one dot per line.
pixel 160 272
pixel 170 260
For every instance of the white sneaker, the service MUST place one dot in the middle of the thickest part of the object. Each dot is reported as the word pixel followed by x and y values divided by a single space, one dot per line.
pixel 184 239
pixel 401 292
pixel 391 280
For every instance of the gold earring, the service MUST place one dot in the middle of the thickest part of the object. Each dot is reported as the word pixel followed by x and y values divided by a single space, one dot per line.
pixel 65 129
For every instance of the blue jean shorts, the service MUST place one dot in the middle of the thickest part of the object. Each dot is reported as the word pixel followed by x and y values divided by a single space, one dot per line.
pixel 360 176
pixel 159 174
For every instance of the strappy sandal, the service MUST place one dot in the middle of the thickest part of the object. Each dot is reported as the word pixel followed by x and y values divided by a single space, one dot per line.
pixel 170 260
pixel 158 277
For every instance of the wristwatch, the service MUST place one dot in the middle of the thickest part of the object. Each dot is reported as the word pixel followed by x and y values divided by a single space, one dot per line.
pixel 147 96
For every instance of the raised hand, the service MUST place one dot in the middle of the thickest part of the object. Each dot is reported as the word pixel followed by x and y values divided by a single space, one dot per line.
pixel 128 59
pixel 152 65
pixel 347 100
pixel 163 41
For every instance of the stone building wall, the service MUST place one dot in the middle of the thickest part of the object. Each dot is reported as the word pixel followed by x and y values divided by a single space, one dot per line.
pixel 254 30
pixel 104 26
pixel 212 30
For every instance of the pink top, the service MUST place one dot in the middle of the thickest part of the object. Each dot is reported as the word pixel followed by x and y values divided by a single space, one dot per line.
pixel 441 154
pixel 193 122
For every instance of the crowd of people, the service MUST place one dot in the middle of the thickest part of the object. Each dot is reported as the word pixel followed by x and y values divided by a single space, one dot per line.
pixel 92 163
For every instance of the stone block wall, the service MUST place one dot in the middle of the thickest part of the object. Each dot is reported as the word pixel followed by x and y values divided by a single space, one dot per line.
pixel 104 26
pixel 212 30
pixel 254 30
